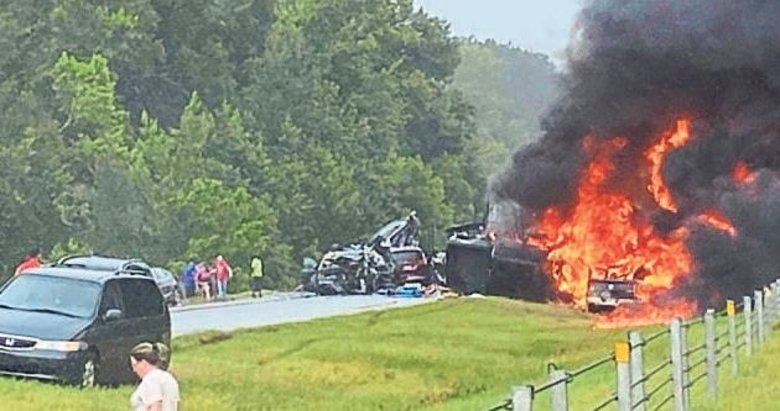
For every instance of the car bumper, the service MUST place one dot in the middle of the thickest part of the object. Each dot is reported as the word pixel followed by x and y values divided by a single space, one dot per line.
pixel 608 302
pixel 44 365
pixel 602 302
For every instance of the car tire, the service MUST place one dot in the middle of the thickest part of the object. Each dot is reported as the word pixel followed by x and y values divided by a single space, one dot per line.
pixel 88 373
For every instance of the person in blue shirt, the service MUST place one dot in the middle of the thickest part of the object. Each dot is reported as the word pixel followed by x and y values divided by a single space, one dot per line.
pixel 188 278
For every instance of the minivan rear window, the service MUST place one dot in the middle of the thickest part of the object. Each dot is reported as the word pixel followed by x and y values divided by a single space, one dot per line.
pixel 57 295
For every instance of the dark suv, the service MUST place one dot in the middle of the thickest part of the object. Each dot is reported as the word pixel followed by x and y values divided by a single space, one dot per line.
pixel 78 326
pixel 101 263
pixel 168 285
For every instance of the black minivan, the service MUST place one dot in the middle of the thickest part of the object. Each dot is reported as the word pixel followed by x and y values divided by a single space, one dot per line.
pixel 78 326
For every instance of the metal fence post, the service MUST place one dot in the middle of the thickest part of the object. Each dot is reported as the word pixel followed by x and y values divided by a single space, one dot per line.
pixel 676 353
pixel 559 393
pixel 523 398
pixel 637 370
pixel 769 309
pixel 776 293
pixel 773 302
pixel 731 311
pixel 747 310
pixel 759 299
pixel 686 363
pixel 623 361
pixel 712 356
pixel 772 314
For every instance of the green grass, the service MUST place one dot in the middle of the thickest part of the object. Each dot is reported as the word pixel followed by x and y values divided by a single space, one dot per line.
pixel 452 355
pixel 756 386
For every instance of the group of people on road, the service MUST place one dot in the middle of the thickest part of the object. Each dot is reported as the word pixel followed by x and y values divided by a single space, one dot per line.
pixel 199 278
pixel 207 280
pixel 210 281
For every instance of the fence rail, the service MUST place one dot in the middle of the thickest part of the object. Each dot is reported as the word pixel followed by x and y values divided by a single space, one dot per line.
pixel 644 387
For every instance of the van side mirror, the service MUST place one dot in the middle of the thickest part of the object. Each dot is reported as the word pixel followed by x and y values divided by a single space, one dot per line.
pixel 113 314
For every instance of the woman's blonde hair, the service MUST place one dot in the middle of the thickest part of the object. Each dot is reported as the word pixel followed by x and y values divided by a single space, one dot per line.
pixel 157 354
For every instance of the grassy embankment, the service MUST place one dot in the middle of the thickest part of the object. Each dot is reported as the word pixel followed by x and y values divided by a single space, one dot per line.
pixel 756 386
pixel 452 355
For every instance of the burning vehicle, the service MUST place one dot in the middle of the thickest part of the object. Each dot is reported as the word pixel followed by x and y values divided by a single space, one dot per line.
pixel 660 161
pixel 489 261
pixel 492 261
pixel 607 295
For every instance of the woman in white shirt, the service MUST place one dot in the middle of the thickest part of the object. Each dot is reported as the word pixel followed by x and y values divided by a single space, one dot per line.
pixel 158 390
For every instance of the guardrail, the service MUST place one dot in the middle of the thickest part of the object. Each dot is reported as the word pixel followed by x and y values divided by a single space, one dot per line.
pixel 667 384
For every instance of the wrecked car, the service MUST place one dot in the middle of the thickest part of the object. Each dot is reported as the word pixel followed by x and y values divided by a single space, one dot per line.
pixel 368 267
pixel 482 261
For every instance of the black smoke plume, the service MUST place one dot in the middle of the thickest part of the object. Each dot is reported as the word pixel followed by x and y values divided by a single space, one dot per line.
pixel 634 68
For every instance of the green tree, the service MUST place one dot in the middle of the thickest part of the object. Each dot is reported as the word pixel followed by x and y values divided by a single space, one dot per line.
pixel 510 89
pixel 172 130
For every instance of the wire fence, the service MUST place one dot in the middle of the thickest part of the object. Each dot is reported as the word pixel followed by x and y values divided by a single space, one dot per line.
pixel 720 338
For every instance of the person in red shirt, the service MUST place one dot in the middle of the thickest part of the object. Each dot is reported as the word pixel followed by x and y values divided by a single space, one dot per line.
pixel 203 280
pixel 32 260
pixel 224 272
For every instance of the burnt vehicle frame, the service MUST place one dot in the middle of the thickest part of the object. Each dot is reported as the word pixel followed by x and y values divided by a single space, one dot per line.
pixel 486 261
pixel 479 260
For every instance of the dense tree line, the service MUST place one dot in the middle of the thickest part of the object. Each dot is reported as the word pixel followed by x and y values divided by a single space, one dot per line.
pixel 174 129
pixel 510 89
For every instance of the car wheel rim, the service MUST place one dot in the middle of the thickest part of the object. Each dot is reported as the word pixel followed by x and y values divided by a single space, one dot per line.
pixel 88 374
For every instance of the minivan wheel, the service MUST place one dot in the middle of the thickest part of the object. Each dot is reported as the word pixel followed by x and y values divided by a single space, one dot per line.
pixel 89 373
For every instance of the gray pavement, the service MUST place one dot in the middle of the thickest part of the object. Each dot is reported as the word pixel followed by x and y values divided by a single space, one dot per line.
pixel 277 309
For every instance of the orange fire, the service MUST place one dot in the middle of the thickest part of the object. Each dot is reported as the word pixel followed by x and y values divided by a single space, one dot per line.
pixel 717 220
pixel 647 314
pixel 656 158
pixel 607 232
pixel 742 174
pixel 608 235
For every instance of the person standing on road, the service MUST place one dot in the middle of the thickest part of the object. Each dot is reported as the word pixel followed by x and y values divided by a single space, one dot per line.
pixel 203 281
pixel 188 279
pixel 158 390
pixel 32 260
pixel 257 276
pixel 224 272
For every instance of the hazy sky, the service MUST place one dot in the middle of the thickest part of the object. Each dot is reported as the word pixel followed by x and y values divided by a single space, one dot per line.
pixel 537 25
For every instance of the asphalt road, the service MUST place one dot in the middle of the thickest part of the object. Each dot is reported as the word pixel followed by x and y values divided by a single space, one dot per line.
pixel 277 310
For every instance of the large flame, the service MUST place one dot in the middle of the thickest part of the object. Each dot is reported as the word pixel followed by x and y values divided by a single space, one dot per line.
pixel 656 158
pixel 717 220
pixel 608 235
